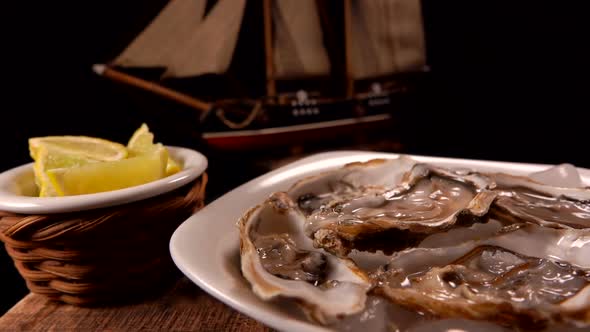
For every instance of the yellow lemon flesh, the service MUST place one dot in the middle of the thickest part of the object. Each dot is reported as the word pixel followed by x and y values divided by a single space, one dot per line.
pixel 83 146
pixel 142 142
pixel 106 176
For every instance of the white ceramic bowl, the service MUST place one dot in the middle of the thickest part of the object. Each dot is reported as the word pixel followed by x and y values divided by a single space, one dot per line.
pixel 17 186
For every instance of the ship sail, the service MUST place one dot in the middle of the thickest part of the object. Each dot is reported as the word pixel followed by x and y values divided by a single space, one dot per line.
pixel 387 37
pixel 186 43
pixel 211 48
pixel 298 49
pixel 173 26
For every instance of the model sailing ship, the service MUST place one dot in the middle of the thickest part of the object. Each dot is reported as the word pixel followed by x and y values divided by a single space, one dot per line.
pixel 273 71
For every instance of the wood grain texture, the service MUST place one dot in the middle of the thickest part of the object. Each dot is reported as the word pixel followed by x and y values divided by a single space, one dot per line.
pixel 184 307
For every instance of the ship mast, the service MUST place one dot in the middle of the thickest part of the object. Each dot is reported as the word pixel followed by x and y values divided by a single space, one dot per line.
pixel 348 47
pixel 271 89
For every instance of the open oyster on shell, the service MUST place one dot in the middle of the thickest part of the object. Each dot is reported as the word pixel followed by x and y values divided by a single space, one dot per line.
pixel 457 243
pixel 278 260
pixel 388 205
pixel 523 199
pixel 528 277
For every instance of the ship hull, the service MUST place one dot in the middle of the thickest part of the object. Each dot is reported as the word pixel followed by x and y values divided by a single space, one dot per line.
pixel 293 134
pixel 300 123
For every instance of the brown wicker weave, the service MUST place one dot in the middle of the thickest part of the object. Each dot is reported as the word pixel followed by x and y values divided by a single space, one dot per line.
pixel 100 255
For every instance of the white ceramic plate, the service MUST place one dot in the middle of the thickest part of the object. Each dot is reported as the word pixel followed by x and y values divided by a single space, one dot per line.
pixel 17 186
pixel 206 246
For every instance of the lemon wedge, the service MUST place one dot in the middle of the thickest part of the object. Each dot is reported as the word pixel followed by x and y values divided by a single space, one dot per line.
pixel 49 158
pixel 82 146
pixel 106 176
pixel 142 141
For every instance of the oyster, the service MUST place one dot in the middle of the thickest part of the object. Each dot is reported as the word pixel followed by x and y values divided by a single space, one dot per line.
pixel 523 199
pixel 374 175
pixel 358 207
pixel 528 277
pixel 279 260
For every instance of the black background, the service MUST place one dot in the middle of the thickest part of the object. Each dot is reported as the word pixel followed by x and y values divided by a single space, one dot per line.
pixel 508 81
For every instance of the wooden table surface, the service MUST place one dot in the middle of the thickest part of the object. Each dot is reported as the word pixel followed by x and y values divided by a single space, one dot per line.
pixel 184 307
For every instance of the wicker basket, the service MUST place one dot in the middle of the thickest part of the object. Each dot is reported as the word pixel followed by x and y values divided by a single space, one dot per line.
pixel 100 255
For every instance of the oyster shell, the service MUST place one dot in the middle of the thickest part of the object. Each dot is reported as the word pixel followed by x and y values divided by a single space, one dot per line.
pixel 528 277
pixel 359 207
pixel 279 260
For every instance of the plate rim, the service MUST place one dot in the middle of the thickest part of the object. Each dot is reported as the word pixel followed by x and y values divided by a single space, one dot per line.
pixel 260 314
